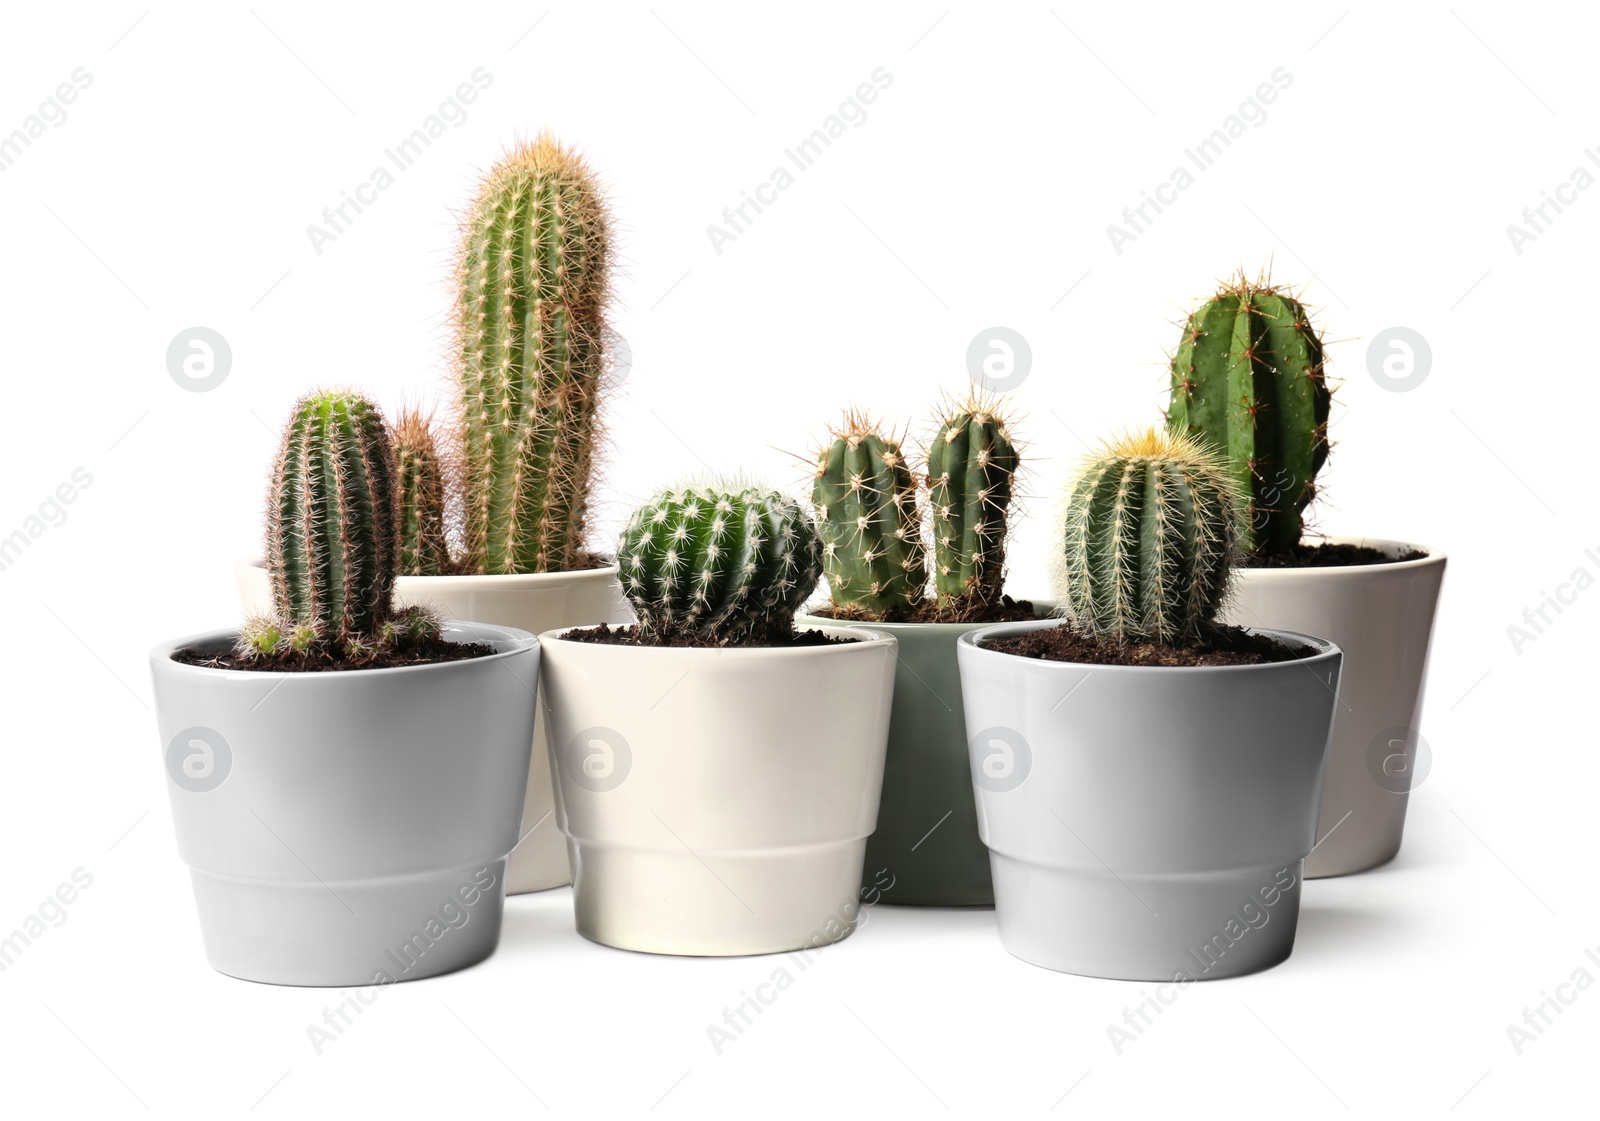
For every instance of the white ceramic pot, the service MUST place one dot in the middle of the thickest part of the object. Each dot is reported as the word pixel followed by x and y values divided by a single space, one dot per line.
pixel 352 827
pixel 718 802
pixel 533 602
pixel 1381 616
pixel 1147 823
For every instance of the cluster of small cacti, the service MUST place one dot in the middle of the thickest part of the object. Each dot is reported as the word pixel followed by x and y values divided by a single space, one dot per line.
pixel 532 281
pixel 867 500
pixel 720 564
pixel 1148 536
pixel 1247 378
pixel 331 537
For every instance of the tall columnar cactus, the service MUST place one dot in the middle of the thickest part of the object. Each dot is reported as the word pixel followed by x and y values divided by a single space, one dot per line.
pixel 1149 532
pixel 330 521
pixel 866 500
pixel 532 278
pixel 971 464
pixel 419 497
pixel 1247 378
pixel 725 565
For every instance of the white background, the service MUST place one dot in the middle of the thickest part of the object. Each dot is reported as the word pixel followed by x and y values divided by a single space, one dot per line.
pixel 977 193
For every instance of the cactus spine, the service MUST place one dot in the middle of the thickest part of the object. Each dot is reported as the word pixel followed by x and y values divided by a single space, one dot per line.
pixel 1248 379
pixel 866 500
pixel 728 565
pixel 532 277
pixel 1149 533
pixel 330 521
pixel 971 463
pixel 419 497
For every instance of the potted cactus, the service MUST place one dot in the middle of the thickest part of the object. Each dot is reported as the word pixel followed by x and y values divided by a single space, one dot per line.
pixel 718 769
pixel 1247 378
pixel 1147 779
pixel 874 509
pixel 511 474
pixel 346 775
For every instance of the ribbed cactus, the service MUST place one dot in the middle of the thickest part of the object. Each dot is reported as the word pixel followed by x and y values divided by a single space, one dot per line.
pixel 1247 378
pixel 866 500
pixel 1149 533
pixel 330 521
pixel 419 497
pixel 532 277
pixel 971 464
pixel 726 565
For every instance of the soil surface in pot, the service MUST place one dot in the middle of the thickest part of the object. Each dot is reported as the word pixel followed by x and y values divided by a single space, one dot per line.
pixel 1327 555
pixel 412 652
pixel 1226 646
pixel 1008 610
pixel 607 635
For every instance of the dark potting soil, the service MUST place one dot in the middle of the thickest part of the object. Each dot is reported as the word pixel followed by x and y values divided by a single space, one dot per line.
pixel 1226 646
pixel 607 635
pixel 1008 610
pixel 1327 555
pixel 412 652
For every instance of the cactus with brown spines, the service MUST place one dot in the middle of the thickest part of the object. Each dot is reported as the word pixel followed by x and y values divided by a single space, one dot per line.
pixel 420 474
pixel 533 278
pixel 1247 378
pixel 331 542
pixel 866 501
pixel 971 466
pixel 1148 538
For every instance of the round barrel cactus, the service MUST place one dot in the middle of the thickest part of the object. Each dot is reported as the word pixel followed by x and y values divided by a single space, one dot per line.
pixel 1150 531
pixel 730 566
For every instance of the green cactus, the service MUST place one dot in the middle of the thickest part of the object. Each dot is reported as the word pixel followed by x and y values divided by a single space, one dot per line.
pixel 866 500
pixel 1248 379
pixel 419 496
pixel 1149 534
pixel 728 565
pixel 331 542
pixel 532 280
pixel 971 464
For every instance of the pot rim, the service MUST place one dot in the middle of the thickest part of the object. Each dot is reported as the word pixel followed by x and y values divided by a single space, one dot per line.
pixel 1326 652
pixel 1348 571
pixel 492 579
pixel 876 640
pixel 1046 609
pixel 520 641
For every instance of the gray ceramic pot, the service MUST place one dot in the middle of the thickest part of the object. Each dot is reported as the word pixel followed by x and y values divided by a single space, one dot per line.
pixel 927 831
pixel 1147 823
pixel 348 828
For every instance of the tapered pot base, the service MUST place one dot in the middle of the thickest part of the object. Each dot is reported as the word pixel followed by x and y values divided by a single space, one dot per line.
pixel 1190 927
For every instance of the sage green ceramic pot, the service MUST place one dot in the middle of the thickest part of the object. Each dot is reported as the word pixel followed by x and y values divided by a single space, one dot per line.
pixel 927 834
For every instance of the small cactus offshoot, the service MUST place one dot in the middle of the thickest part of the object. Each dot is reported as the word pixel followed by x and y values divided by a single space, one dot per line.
pixel 1247 378
pixel 1150 530
pixel 728 565
pixel 331 542
pixel 419 496
pixel 866 501
pixel 971 464
pixel 532 278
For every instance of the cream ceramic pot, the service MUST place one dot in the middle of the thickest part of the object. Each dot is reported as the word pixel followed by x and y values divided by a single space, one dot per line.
pixel 532 602
pixel 718 801
pixel 1381 616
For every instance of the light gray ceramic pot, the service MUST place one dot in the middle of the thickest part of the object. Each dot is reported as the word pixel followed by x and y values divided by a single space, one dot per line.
pixel 1147 823
pixel 348 828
